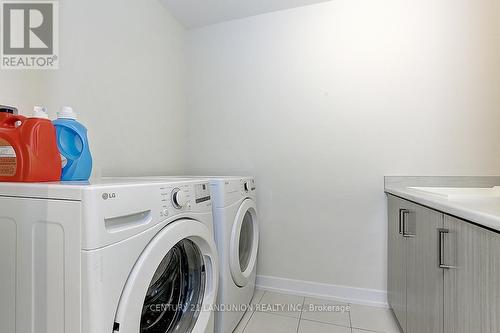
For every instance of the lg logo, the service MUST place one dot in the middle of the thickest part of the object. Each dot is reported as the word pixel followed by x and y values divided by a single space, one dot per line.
pixel 107 196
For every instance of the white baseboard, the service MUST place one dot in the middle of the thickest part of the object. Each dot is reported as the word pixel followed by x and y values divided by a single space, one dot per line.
pixel 372 297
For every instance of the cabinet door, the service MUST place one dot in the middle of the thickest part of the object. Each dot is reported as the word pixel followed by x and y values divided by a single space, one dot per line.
pixel 396 282
pixel 472 283
pixel 424 278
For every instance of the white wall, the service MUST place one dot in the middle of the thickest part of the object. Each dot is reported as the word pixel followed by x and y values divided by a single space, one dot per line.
pixel 122 68
pixel 320 102
pixel 20 89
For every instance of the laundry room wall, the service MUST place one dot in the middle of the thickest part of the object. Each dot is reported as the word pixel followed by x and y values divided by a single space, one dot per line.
pixel 20 88
pixel 320 102
pixel 122 68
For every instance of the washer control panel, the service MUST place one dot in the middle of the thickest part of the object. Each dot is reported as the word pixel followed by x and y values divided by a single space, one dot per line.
pixel 202 193
pixel 179 198
pixel 191 197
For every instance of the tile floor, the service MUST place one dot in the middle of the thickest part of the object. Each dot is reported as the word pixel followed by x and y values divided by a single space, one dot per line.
pixel 272 314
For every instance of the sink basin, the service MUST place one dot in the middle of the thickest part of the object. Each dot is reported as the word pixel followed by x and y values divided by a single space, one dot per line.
pixel 461 193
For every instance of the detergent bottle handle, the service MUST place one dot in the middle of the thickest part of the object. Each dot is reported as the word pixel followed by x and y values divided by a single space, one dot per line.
pixel 76 152
pixel 11 121
pixel 82 140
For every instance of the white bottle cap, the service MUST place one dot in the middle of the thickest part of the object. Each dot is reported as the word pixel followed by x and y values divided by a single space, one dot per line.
pixel 66 113
pixel 40 112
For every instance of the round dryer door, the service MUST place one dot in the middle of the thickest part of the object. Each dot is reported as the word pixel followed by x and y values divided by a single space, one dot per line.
pixel 244 243
pixel 173 284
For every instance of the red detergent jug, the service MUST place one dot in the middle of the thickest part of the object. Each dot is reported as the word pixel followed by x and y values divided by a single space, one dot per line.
pixel 28 150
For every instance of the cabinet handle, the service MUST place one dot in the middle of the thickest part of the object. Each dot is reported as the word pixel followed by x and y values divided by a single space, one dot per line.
pixel 401 219
pixel 405 215
pixel 442 233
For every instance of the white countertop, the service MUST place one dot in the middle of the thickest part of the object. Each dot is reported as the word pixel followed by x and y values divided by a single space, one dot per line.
pixel 482 211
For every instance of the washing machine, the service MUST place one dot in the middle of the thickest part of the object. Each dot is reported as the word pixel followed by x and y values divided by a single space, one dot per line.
pixel 114 255
pixel 236 229
pixel 237 237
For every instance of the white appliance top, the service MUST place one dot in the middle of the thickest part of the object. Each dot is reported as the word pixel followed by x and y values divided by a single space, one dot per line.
pixel 74 190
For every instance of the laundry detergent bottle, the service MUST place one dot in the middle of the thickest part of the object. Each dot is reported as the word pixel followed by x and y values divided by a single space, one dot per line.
pixel 73 145
pixel 28 149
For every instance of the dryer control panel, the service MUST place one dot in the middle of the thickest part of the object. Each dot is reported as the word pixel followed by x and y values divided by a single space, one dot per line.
pixel 248 185
pixel 229 190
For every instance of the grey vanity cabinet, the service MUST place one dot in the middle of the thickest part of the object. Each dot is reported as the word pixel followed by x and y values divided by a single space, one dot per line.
pixel 396 280
pixel 415 282
pixel 443 272
pixel 424 277
pixel 472 283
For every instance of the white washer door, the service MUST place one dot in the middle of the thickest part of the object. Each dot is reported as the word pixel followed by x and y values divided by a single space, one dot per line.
pixel 244 243
pixel 173 284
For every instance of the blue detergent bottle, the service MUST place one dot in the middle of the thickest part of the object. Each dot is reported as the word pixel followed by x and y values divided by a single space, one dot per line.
pixel 73 145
